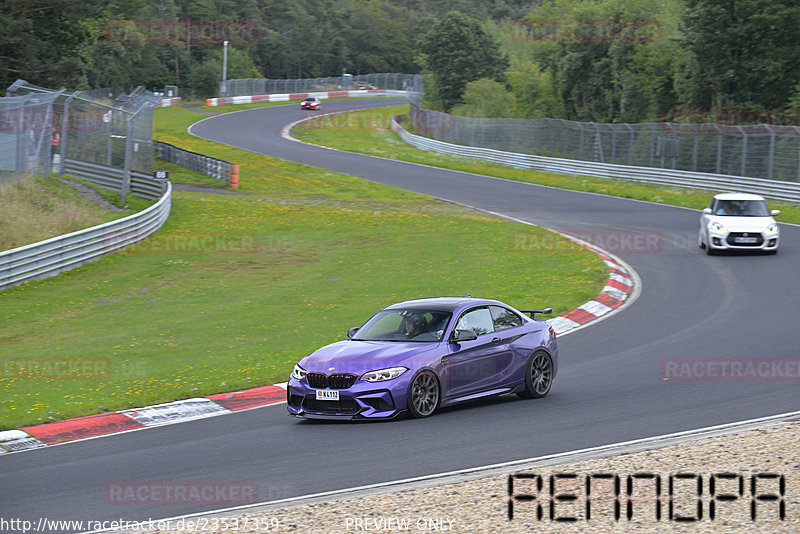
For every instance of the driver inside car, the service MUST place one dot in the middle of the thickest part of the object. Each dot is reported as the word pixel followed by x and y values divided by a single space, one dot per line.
pixel 413 325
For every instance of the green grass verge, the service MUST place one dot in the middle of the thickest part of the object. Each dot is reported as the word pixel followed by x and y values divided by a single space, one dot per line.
pixel 35 209
pixel 369 132
pixel 236 288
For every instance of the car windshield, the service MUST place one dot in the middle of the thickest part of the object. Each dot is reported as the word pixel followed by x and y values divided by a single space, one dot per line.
pixel 415 325
pixel 742 208
pixel 310 99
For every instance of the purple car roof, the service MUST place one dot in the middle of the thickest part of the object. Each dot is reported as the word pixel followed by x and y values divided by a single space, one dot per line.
pixel 438 303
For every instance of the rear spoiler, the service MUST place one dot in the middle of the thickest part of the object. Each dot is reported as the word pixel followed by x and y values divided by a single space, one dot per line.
pixel 531 313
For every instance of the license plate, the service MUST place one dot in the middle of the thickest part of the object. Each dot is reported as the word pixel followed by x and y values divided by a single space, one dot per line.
pixel 328 394
pixel 746 239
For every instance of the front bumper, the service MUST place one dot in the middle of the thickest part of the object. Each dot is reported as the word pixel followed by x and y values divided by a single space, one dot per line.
pixel 763 241
pixel 363 400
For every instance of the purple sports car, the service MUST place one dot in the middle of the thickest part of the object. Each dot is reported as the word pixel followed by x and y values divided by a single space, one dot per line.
pixel 417 355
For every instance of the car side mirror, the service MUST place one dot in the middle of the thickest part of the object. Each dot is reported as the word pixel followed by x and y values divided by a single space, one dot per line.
pixel 352 332
pixel 707 211
pixel 463 335
pixel 775 213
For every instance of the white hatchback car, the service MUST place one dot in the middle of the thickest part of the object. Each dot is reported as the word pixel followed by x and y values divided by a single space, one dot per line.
pixel 738 221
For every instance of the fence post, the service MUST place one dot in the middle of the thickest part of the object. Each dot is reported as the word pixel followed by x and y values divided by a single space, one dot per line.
pixel 771 159
pixel 652 144
pixel 65 121
pixel 632 146
pixel 744 149
pixel 23 139
pixel 126 170
pixel 797 130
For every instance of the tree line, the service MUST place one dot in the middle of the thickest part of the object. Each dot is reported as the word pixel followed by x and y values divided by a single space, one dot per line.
pixel 84 44
pixel 615 61
pixel 587 60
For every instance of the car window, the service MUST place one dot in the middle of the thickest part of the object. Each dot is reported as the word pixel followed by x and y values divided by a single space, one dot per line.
pixel 504 318
pixel 478 320
pixel 741 208
pixel 384 324
pixel 404 325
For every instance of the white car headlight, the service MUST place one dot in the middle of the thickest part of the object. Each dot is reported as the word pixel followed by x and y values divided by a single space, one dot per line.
pixel 716 227
pixel 298 372
pixel 772 228
pixel 383 374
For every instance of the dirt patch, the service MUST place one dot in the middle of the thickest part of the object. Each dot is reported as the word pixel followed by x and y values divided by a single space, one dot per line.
pixel 91 194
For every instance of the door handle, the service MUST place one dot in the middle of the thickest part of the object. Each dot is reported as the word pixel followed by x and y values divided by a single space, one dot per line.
pixel 496 340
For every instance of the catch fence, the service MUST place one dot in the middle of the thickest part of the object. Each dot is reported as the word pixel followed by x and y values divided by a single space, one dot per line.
pixel 761 150
pixel 42 130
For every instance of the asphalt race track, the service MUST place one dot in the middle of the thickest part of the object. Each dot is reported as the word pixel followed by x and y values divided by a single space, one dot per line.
pixel 609 387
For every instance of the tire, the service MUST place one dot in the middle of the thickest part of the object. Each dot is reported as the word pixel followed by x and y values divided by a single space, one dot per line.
pixel 700 240
pixel 538 376
pixel 423 395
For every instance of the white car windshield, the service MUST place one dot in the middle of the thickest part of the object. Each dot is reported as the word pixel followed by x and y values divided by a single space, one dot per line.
pixel 741 208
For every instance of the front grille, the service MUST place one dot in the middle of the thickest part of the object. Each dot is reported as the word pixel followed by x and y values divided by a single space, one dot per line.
pixel 342 406
pixel 317 380
pixel 758 239
pixel 341 380
pixel 333 381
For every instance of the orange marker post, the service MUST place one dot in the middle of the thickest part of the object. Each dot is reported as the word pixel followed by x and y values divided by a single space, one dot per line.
pixel 235 177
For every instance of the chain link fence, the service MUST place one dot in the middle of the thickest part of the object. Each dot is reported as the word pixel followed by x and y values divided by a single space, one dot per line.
pixel 348 82
pixel 41 130
pixel 760 151
pixel 26 123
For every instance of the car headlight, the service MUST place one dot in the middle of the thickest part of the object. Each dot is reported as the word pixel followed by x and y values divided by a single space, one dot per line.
pixel 383 374
pixel 716 227
pixel 298 372
pixel 772 228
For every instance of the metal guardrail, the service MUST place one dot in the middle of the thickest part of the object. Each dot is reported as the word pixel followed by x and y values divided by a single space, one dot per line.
pixel 218 169
pixel 696 180
pixel 62 253
pixel 141 184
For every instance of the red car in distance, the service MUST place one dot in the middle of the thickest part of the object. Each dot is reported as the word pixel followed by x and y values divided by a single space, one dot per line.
pixel 311 103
